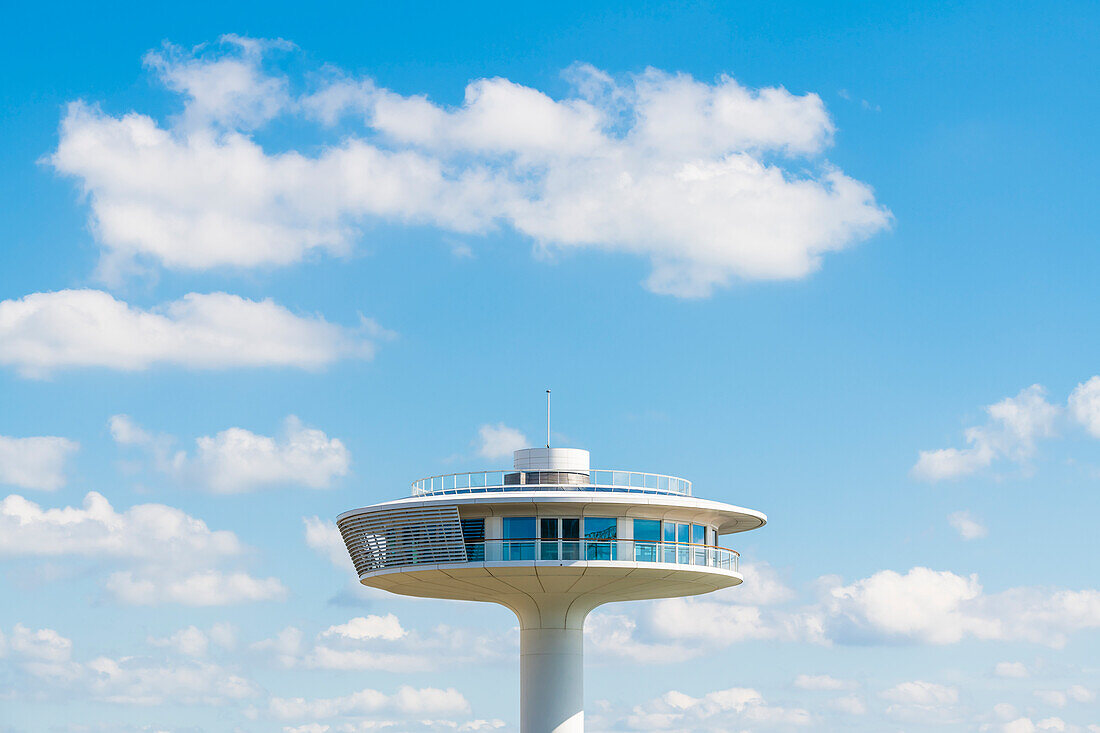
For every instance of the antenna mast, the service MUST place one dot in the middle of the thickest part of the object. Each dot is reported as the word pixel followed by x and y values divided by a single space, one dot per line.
pixel 547 418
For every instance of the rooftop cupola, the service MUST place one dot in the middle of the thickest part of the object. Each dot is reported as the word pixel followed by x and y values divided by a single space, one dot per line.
pixel 573 460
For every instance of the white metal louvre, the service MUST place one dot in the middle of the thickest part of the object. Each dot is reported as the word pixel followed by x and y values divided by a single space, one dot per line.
pixel 397 537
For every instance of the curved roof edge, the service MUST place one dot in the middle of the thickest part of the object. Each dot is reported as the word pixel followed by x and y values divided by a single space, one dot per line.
pixel 731 518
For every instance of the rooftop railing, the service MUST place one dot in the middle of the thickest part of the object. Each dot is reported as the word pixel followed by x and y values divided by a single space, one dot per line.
pixel 516 480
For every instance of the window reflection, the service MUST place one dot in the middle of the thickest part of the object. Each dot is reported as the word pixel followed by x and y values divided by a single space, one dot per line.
pixel 647 534
pixel 519 528
pixel 600 533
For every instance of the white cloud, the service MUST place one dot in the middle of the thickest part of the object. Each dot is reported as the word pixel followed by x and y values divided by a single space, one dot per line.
pixel 921 693
pixel 407 700
pixel 133 681
pixel 1014 424
pixel 192 641
pixel 820 682
pixel 237 460
pixel 1084 405
pixel 1017 670
pixel 125 431
pixel 940 607
pixel 612 635
pixel 1059 698
pixel 612 167
pixel 386 627
pixel 850 704
pixel 499 441
pixel 44 645
pixel 719 710
pixel 920 606
pixel 152 532
pixel 35 463
pixel 43 332
pixel 231 90
pixel 967 527
pixel 172 552
pixel 323 536
pixel 921 701
pixel 206 588
pixel 285 645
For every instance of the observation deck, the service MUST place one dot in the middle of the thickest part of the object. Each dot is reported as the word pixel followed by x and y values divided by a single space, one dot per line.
pixel 551 540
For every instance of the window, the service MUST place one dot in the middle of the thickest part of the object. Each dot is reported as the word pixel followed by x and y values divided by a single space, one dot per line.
pixel 473 534
pixel 570 539
pixel 699 541
pixel 669 538
pixel 519 536
pixel 548 538
pixel 647 533
pixel 683 555
pixel 599 533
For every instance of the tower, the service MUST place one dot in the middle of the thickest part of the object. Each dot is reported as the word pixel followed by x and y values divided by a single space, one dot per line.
pixel 551 539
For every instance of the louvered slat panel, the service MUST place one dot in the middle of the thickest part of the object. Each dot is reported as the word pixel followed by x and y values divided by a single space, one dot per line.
pixel 399 537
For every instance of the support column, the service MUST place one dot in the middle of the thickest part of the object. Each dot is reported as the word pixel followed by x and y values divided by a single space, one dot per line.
pixel 551 670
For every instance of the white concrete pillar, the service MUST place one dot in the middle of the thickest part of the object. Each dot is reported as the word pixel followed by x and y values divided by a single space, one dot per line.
pixel 551 670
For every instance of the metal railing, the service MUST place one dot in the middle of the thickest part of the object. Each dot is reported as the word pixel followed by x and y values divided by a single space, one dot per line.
pixel 566 550
pixel 593 480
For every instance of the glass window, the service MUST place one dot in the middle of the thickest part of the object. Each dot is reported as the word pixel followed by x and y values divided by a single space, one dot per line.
pixel 647 533
pixel 473 534
pixel 599 533
pixel 519 528
pixel 699 541
pixel 670 538
pixel 548 538
pixel 683 552
pixel 570 538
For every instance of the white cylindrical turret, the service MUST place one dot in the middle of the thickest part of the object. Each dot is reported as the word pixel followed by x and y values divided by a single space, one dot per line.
pixel 574 460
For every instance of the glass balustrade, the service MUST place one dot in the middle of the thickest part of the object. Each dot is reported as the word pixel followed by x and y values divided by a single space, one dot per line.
pixel 519 549
pixel 593 480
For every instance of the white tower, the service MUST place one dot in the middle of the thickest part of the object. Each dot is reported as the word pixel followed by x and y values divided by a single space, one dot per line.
pixel 551 539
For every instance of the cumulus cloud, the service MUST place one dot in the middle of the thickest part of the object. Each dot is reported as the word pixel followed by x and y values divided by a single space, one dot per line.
pixel 732 709
pixel 1013 426
pixel 499 441
pixel 1084 405
pixel 48 657
pixel 382 643
pixel 237 460
pixel 612 166
pixel 206 588
pixel 44 332
pixel 820 682
pixel 920 606
pixel 192 641
pixel 386 627
pixel 323 536
pixel 35 463
pixel 967 527
pixel 1059 698
pixel 173 555
pixel 407 700
pixel 921 701
pixel 1017 670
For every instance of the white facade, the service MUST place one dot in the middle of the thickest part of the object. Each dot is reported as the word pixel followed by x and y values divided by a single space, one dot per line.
pixel 551 540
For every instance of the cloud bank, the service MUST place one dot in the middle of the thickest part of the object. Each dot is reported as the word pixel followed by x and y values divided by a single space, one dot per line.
pixel 708 181
pixel 44 332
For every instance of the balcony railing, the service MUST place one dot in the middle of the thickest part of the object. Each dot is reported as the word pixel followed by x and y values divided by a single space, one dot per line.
pixel 528 550
pixel 515 480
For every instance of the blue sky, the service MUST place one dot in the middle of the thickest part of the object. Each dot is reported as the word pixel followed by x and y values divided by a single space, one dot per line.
pixel 815 259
